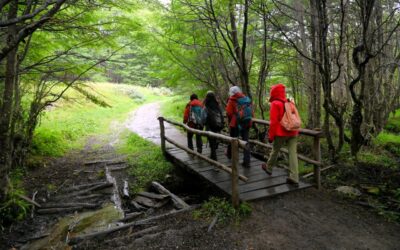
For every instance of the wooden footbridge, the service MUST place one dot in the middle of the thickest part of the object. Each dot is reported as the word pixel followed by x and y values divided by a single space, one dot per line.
pixel 228 174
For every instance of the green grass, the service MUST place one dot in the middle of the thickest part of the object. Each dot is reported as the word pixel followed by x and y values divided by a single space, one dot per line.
pixel 224 210
pixel 147 163
pixel 174 107
pixel 67 125
pixel 393 124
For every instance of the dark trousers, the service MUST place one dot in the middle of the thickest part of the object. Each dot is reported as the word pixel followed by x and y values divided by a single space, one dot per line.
pixel 244 134
pixel 199 142
pixel 213 144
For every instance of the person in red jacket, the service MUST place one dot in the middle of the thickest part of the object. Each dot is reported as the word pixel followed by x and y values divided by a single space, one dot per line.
pixel 278 135
pixel 234 129
pixel 193 106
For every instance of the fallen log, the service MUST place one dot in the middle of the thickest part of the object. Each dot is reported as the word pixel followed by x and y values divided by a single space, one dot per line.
pixel 88 197
pixel 131 216
pixel 145 201
pixel 178 202
pixel 147 221
pixel 58 210
pixel 94 188
pixel 118 168
pixel 153 195
pixel 73 204
pixel 83 186
pixel 137 206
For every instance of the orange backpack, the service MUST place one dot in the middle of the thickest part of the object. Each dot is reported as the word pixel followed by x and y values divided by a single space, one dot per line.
pixel 291 120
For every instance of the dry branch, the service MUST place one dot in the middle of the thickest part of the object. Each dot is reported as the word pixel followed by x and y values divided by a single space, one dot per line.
pixel 29 200
pixel 67 205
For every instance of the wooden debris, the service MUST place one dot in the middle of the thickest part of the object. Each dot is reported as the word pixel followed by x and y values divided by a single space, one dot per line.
pixel 33 199
pixel 62 185
pixel 178 202
pixel 131 216
pixel 147 221
pixel 138 234
pixel 213 222
pixel 65 205
pixel 323 169
pixel 94 188
pixel 59 210
pixel 29 200
pixel 153 195
pixel 145 201
pixel 107 162
pixel 118 168
pixel 137 206
pixel 80 187
pixel 88 197
pixel 125 190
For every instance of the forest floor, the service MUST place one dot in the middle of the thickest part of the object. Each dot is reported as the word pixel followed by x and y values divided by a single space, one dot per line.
pixel 308 219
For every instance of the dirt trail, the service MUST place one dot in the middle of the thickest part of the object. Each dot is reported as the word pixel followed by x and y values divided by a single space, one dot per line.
pixel 144 123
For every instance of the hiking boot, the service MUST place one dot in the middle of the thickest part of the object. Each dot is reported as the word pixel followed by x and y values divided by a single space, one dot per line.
pixel 266 169
pixel 292 182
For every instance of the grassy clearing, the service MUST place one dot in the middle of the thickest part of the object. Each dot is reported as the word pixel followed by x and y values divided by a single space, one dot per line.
pixel 146 160
pixel 174 107
pixel 67 124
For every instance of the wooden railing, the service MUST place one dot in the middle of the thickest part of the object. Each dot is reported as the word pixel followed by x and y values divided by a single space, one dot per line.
pixel 316 134
pixel 235 145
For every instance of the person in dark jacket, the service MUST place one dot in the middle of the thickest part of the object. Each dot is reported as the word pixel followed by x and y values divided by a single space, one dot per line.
pixel 234 129
pixel 279 136
pixel 214 120
pixel 193 104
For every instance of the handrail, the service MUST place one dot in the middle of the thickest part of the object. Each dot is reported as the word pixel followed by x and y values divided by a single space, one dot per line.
pixel 215 163
pixel 235 144
pixel 228 139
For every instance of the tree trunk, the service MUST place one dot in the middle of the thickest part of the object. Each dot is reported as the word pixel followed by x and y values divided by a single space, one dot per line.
pixel 6 112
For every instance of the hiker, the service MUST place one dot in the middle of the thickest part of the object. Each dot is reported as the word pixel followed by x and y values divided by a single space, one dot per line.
pixel 279 136
pixel 240 113
pixel 192 117
pixel 213 120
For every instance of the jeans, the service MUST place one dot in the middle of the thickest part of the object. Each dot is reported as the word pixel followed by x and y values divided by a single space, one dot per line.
pixel 292 148
pixel 244 134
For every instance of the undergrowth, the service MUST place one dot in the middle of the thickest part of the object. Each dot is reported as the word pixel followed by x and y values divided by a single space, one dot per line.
pixel 223 210
pixel 14 207
pixel 147 163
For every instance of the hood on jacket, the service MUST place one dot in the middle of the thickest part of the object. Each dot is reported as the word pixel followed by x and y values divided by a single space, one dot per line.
pixel 236 96
pixel 234 90
pixel 277 92
pixel 196 102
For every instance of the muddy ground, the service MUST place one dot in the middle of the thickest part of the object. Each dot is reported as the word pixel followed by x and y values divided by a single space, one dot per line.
pixel 307 219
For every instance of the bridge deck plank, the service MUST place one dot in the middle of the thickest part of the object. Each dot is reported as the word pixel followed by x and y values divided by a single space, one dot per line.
pixel 259 184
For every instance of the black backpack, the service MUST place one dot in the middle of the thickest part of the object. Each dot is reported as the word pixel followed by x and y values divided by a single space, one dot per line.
pixel 215 119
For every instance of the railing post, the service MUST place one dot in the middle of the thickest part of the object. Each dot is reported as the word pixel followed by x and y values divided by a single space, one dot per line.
pixel 235 176
pixel 162 134
pixel 317 157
